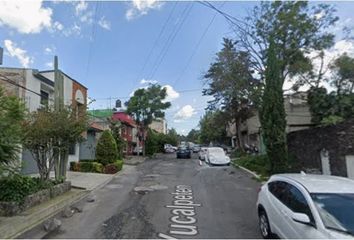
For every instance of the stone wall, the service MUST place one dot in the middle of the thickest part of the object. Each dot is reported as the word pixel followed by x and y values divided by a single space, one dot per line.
pixel 305 147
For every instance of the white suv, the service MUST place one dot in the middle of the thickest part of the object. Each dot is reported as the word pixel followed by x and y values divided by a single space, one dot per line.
pixel 306 206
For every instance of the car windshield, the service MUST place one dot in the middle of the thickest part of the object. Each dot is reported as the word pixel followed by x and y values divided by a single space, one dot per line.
pixel 336 210
pixel 216 151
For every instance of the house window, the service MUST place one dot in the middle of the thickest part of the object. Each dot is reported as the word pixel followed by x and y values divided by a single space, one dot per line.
pixel 72 149
pixel 44 97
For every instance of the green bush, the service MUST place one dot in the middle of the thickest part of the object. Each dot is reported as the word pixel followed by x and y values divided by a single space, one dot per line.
pixel 110 168
pixel 17 187
pixel 86 167
pixel 258 163
pixel 106 150
pixel 119 164
pixel 87 160
pixel 98 167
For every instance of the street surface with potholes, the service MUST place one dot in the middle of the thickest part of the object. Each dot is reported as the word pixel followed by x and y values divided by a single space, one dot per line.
pixel 168 198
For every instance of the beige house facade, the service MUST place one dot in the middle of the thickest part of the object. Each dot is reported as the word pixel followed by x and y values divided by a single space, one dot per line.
pixel 298 117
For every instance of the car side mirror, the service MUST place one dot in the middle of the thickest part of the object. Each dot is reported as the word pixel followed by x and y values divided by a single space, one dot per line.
pixel 301 218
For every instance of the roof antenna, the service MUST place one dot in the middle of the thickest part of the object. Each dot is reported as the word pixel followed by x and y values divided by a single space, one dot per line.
pixel 303 173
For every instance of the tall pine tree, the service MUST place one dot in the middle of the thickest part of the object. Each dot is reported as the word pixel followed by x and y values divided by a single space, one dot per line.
pixel 273 113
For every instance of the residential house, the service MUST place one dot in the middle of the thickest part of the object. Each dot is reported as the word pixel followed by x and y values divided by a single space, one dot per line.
pixel 129 131
pixel 36 88
pixel 298 117
pixel 159 125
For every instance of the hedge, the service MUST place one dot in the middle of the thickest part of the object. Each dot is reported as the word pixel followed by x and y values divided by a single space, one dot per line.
pixel 113 168
pixel 17 187
pixel 95 167
pixel 256 163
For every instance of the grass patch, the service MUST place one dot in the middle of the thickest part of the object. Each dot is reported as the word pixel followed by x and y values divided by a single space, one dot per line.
pixel 256 163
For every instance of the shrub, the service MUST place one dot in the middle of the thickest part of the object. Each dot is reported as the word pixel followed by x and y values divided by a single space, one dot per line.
pixel 86 167
pixel 110 169
pixel 259 164
pixel 17 187
pixel 106 150
pixel 86 160
pixel 119 164
pixel 76 167
pixel 97 167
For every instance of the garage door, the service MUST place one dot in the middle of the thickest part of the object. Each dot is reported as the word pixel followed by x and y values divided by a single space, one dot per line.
pixel 350 166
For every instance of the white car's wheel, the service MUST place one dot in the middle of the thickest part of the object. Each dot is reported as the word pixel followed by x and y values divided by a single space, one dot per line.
pixel 264 225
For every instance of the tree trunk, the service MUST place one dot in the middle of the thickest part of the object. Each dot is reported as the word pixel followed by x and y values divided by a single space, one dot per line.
pixel 144 137
pixel 56 163
pixel 239 139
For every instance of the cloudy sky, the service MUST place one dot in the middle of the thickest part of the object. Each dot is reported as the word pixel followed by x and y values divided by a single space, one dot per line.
pixel 114 48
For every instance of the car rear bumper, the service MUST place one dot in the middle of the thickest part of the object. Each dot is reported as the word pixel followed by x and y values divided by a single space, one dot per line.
pixel 183 155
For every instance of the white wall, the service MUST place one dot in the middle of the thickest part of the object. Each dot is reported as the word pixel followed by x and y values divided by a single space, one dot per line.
pixel 74 157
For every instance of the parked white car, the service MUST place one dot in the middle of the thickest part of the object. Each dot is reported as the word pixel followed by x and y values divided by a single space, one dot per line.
pixel 202 153
pixel 216 156
pixel 306 206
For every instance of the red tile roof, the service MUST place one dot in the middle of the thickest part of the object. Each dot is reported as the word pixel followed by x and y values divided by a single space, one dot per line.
pixel 124 118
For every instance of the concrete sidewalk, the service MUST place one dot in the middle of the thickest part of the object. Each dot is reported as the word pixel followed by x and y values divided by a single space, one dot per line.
pixel 82 183
pixel 88 181
pixel 134 160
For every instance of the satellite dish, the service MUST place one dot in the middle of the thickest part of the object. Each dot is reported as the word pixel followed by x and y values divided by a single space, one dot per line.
pixel 118 104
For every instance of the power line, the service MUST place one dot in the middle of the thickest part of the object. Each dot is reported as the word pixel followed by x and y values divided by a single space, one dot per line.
pixel 126 97
pixel 93 34
pixel 6 79
pixel 170 40
pixel 156 41
pixel 197 46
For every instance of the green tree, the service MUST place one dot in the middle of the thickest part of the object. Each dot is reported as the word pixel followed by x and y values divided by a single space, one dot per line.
pixel 213 127
pixel 193 136
pixel 297 30
pixel 232 85
pixel 152 142
pixel 116 128
pixel 106 149
pixel 12 114
pixel 49 135
pixel 146 105
pixel 273 114
pixel 173 137
pixel 338 105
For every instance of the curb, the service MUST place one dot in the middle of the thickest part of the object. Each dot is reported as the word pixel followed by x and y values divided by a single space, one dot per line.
pixel 246 169
pixel 9 232
pixel 13 229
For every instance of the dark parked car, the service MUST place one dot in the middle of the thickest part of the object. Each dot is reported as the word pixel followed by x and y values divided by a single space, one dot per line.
pixel 183 152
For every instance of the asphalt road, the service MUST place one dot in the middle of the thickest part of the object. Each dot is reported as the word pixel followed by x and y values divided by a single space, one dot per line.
pixel 169 197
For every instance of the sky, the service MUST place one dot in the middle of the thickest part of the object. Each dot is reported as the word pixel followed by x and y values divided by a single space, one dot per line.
pixel 114 48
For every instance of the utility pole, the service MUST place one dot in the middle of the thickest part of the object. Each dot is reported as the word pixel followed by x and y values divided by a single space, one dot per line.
pixel 61 157
pixel 58 86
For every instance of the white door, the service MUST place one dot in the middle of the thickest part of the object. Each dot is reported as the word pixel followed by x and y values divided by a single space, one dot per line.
pixel 350 166
pixel 326 170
